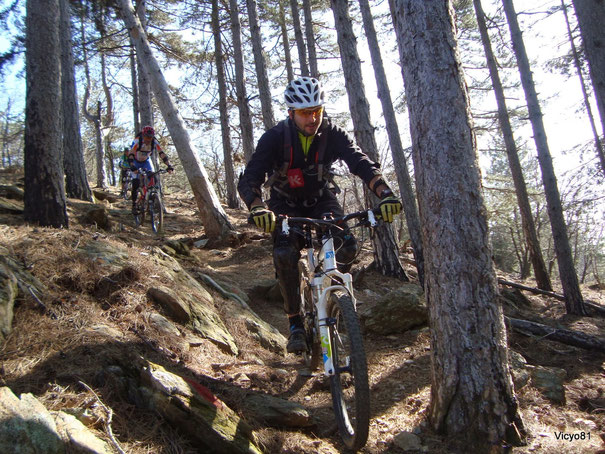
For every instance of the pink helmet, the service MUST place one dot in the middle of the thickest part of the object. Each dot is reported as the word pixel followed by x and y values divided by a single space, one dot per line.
pixel 148 131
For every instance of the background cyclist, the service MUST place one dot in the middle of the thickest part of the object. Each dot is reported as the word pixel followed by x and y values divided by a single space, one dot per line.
pixel 143 146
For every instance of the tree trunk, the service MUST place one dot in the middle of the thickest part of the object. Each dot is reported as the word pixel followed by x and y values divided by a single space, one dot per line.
pixel 232 198
pixel 107 119
pixel 310 35
pixel 76 181
pixel 94 119
pixel 135 87
pixel 578 65
pixel 213 216
pixel 408 197
pixel 44 198
pixel 240 83
pixel 260 64
pixel 285 40
pixel 529 229
pixel 567 272
pixel 591 17
pixel 300 42
pixel 472 398
pixel 145 104
pixel 386 252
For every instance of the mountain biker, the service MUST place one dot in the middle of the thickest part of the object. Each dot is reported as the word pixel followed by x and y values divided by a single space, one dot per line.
pixel 124 169
pixel 297 155
pixel 143 146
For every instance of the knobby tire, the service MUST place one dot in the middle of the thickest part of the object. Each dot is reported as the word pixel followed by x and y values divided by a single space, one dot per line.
pixel 156 212
pixel 312 356
pixel 349 384
pixel 139 217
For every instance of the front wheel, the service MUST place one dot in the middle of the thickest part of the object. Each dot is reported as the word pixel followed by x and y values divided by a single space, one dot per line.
pixel 139 212
pixel 156 210
pixel 312 355
pixel 349 384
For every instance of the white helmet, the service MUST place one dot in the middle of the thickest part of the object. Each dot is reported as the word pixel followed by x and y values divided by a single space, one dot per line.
pixel 304 92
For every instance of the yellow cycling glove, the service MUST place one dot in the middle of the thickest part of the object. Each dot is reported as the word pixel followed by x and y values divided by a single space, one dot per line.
pixel 389 207
pixel 263 218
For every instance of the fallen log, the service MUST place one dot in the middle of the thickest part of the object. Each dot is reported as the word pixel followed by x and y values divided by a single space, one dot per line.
pixel 596 308
pixel 565 336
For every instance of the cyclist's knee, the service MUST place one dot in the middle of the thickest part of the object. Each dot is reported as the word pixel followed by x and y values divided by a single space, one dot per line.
pixel 285 257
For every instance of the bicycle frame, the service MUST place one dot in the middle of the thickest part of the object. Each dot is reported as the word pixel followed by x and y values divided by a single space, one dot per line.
pixel 324 268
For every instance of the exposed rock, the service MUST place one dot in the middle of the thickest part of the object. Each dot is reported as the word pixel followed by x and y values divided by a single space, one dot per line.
pixel 194 307
pixel 196 411
pixel 8 293
pixel 27 427
pixel 163 324
pixel 277 412
pixel 396 312
pixel 549 381
pixel 178 247
pixel 15 280
pixel 407 441
pixel 11 192
pixel 98 216
pixel 101 195
pixel 10 206
pixel 25 280
pixel 518 368
pixel 105 253
pixel 267 335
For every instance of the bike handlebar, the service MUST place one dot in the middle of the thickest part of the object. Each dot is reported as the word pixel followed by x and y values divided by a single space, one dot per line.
pixel 151 174
pixel 366 217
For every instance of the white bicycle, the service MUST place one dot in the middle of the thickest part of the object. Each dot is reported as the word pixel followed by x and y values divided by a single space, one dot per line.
pixel 331 324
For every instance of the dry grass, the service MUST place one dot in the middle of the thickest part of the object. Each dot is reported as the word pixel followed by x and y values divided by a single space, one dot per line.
pixel 91 326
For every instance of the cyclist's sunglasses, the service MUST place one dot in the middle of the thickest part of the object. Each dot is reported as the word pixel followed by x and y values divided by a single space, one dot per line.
pixel 310 111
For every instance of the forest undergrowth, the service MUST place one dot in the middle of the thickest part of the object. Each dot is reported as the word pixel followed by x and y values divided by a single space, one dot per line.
pixel 52 352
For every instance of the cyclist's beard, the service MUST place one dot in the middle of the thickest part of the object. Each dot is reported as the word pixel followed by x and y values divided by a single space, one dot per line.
pixel 314 125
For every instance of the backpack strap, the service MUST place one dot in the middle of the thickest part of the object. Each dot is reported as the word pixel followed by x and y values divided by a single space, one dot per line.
pixel 287 150
pixel 321 151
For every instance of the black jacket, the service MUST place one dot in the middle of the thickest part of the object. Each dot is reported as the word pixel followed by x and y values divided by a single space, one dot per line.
pixel 268 159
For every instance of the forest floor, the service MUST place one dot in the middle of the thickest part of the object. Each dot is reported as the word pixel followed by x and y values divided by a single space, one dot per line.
pixel 399 365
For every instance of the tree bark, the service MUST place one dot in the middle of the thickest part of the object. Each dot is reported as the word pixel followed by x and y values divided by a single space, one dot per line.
pixel 300 42
pixel 529 228
pixel 591 17
pixel 232 198
pixel 76 181
pixel 310 35
pixel 472 398
pixel 578 65
pixel 94 119
pixel 260 63
pixel 386 253
pixel 567 272
pixel 135 86
pixel 144 85
pixel 44 197
pixel 240 83
pixel 285 40
pixel 408 197
pixel 213 216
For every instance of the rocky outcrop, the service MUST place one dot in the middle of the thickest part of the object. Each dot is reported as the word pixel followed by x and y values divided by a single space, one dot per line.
pixel 396 312
pixel 193 408
pixel 15 281
pixel 27 427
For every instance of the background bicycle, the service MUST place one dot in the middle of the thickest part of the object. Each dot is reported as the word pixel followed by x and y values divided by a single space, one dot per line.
pixel 149 200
